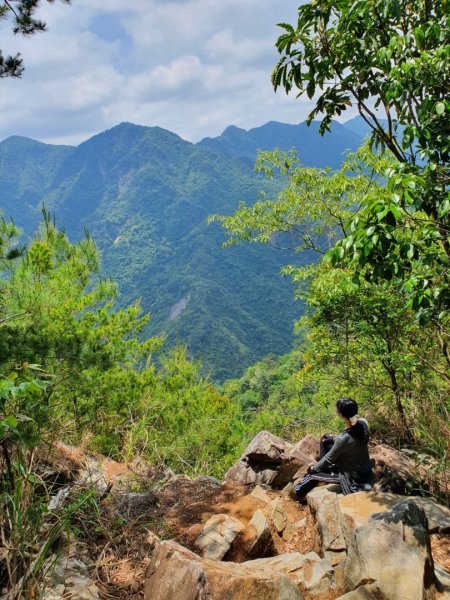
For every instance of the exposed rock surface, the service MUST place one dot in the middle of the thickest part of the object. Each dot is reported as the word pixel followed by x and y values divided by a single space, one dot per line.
pixel 176 573
pixel 310 572
pixel 218 535
pixel 70 578
pixel 392 550
pixel 259 534
pixel 395 471
pixel 365 592
pixel 278 514
pixel 358 508
pixel 261 462
pixel 302 454
pixel 250 539
pixel 260 494
pixel 271 461
pixel 328 518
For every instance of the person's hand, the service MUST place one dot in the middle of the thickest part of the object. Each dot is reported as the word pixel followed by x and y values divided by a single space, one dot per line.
pixel 310 468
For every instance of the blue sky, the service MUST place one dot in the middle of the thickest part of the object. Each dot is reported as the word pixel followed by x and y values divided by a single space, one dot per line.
pixel 191 66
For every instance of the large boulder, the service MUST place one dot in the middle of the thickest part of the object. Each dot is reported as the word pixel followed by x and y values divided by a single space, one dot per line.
pixel 392 550
pixel 260 462
pixel 270 460
pixel 395 471
pixel 359 507
pixel 324 507
pixel 299 457
pixel 218 535
pixel 314 575
pixel 176 573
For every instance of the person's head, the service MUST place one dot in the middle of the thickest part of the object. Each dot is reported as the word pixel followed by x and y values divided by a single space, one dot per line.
pixel 346 407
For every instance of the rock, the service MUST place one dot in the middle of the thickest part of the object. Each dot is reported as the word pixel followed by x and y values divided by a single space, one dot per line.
pixel 176 573
pixel 66 567
pixel 395 471
pixel 438 516
pixel 218 535
pixel 312 573
pixel 289 491
pixel 69 579
pixel 151 541
pixel 359 507
pixel 260 462
pixel 302 454
pixel 260 494
pixel 288 532
pixel 208 480
pixel 277 514
pixel 443 582
pixel 400 535
pixel 262 540
pixel 301 524
pixel 81 588
pixel 55 593
pixel 328 518
pixel 365 592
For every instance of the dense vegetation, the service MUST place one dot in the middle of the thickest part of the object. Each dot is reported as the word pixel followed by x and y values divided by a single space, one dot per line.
pixel 76 364
pixel 377 324
pixel 73 366
pixel 144 195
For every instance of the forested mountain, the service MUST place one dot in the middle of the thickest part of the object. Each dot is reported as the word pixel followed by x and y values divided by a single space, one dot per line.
pixel 313 149
pixel 144 194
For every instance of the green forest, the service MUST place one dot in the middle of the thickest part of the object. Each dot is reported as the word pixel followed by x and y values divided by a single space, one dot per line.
pixel 366 253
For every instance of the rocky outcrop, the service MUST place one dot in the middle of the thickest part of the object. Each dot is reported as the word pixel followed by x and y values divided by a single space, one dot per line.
pixel 312 574
pixel 395 471
pixel 176 573
pixel 261 462
pixel 253 540
pixel 260 539
pixel 272 461
pixel 328 519
pixel 358 508
pixel 392 551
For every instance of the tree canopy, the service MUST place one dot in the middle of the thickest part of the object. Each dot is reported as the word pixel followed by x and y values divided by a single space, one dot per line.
pixel 390 60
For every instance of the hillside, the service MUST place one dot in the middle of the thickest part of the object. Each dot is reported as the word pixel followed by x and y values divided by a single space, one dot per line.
pixel 144 195
pixel 313 149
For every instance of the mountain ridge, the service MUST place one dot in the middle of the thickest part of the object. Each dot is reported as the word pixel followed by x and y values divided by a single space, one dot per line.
pixel 144 194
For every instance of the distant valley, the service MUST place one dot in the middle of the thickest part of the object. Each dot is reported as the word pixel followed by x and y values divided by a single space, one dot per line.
pixel 144 194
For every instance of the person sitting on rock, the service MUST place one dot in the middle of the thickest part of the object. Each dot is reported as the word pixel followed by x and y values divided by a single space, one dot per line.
pixel 347 462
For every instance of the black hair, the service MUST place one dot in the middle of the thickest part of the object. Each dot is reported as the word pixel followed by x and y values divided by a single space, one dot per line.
pixel 348 408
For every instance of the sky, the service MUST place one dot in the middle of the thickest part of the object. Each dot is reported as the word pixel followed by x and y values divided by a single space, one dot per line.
pixel 191 66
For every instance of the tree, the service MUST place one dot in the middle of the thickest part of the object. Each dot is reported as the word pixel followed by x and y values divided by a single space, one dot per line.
pixel 361 338
pixel 390 60
pixel 22 13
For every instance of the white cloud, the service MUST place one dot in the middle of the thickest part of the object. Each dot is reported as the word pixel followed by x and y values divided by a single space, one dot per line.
pixel 192 66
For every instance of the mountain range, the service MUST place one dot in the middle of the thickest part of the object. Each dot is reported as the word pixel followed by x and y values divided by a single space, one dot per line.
pixel 144 194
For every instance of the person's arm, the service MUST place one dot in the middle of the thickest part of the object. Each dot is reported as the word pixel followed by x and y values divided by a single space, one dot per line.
pixel 332 456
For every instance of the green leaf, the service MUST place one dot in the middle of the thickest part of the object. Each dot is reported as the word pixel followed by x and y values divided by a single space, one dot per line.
pixel 11 421
pixel 440 108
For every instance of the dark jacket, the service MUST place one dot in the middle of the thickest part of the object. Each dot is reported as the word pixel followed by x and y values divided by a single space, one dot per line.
pixel 351 454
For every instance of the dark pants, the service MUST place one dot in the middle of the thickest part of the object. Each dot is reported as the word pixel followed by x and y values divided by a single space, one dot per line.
pixel 328 475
